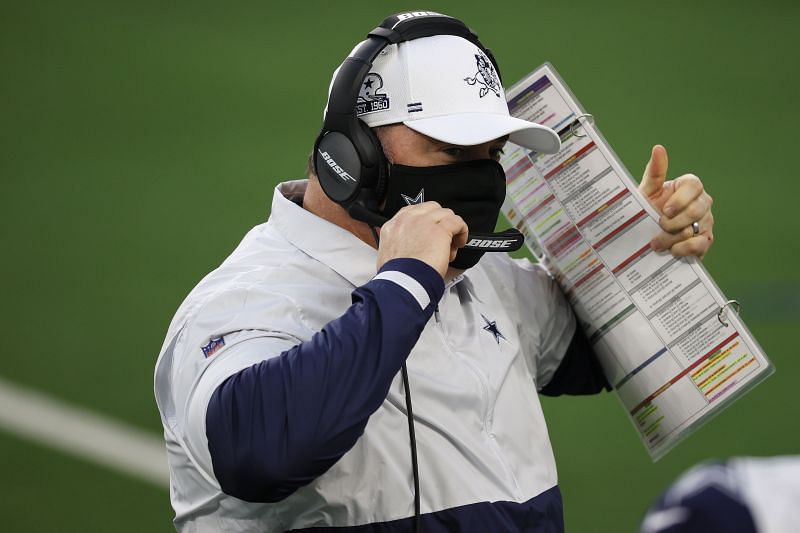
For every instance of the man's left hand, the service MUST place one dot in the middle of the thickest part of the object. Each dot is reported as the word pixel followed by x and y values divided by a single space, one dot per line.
pixel 680 202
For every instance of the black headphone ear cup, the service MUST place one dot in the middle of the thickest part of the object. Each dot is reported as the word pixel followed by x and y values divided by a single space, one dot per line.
pixel 334 152
pixel 373 152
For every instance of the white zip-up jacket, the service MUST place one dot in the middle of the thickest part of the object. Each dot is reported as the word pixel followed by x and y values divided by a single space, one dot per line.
pixel 283 407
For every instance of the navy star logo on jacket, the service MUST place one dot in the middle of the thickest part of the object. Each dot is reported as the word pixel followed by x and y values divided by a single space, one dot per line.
pixel 491 327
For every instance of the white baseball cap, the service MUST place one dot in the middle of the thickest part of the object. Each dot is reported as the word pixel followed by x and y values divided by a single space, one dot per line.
pixel 445 87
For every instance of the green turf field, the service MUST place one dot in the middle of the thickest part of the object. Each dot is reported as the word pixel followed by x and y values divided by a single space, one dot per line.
pixel 140 140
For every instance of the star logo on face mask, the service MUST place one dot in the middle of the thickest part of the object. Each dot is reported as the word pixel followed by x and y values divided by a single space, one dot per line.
pixel 491 327
pixel 418 199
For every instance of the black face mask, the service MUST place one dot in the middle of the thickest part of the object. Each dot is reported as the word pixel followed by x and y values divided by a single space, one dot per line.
pixel 474 190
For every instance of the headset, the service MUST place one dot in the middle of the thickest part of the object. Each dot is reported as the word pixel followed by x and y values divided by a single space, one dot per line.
pixel 348 157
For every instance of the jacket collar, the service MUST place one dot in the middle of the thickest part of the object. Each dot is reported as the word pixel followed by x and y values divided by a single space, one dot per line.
pixel 331 245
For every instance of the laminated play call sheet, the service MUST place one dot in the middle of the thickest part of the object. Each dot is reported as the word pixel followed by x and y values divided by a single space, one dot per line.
pixel 675 352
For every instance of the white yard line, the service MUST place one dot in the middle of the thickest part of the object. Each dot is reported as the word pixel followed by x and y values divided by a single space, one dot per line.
pixel 76 431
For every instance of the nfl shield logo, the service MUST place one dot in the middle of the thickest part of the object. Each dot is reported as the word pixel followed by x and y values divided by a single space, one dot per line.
pixel 212 346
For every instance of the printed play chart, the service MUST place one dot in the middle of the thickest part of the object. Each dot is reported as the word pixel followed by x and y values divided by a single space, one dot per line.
pixel 669 342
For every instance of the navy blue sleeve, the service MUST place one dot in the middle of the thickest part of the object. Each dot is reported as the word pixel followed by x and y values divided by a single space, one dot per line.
pixel 579 372
pixel 279 424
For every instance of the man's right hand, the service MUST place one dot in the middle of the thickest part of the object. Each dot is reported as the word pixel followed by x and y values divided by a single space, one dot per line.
pixel 426 231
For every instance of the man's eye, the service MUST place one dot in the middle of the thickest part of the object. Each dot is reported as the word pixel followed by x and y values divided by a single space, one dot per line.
pixel 496 153
pixel 453 151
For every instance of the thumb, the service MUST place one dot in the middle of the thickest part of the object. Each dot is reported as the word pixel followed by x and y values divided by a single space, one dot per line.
pixel 655 172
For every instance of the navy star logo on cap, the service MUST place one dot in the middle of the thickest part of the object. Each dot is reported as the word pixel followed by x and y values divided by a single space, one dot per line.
pixel 491 327
pixel 416 200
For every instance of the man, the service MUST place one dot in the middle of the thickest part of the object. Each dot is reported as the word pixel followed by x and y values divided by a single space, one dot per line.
pixel 280 383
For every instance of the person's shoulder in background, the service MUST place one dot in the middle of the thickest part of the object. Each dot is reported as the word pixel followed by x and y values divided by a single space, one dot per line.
pixel 740 495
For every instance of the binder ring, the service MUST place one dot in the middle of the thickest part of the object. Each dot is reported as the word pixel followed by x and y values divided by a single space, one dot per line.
pixel 733 303
pixel 574 130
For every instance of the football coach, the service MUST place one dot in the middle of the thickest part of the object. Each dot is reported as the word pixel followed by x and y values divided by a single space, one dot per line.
pixel 370 359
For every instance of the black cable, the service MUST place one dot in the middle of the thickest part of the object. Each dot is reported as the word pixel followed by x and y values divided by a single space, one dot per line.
pixel 375 235
pixel 411 434
pixel 413 440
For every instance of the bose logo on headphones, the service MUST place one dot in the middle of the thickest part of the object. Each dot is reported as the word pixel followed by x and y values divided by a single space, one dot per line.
pixel 490 243
pixel 414 14
pixel 336 168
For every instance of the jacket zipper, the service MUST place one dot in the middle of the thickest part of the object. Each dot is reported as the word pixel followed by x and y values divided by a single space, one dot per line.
pixel 488 420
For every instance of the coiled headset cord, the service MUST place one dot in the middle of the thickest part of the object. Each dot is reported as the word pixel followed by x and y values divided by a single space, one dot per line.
pixel 411 435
